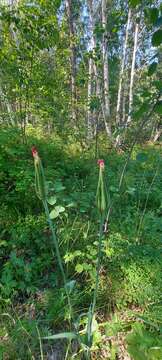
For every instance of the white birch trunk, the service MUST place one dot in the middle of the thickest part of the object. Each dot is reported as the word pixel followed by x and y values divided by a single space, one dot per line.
pixel 68 4
pixel 105 70
pixel 132 74
pixel 89 112
pixel 121 76
pixel 92 70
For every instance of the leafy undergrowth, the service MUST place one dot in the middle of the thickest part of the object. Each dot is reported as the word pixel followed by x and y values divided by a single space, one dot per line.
pixel 32 300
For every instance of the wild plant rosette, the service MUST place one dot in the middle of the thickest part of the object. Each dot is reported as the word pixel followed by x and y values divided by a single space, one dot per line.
pixel 40 185
pixel 101 191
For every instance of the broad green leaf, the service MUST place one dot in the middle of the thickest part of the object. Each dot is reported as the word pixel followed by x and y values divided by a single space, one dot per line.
pixel 65 335
pixel 157 38
pixel 79 268
pixel 54 214
pixel 52 200
pixel 56 211
pixel 152 68
pixel 60 209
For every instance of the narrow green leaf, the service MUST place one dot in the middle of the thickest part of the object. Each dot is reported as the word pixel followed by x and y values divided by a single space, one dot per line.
pixel 66 335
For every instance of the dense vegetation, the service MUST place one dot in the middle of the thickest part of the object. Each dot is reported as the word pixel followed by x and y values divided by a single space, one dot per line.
pixel 80 81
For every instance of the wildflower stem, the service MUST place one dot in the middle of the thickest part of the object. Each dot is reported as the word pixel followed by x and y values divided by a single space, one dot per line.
pixel 98 262
pixel 58 255
pixel 98 266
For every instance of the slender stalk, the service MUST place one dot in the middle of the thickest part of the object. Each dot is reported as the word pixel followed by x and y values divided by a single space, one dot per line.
pixel 98 263
pixel 58 254
pixel 40 343
pixel 98 266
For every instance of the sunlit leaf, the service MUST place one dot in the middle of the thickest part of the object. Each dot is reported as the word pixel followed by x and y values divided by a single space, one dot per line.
pixel 52 200
pixel 79 268
pixel 65 335
pixel 54 214
pixel 60 209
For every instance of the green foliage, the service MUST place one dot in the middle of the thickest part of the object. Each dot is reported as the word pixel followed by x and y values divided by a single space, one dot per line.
pixel 157 38
pixel 152 69
pixel 131 270
pixel 144 344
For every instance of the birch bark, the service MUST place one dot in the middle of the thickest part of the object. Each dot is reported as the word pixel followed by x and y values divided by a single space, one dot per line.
pixel 92 70
pixel 121 76
pixel 130 108
pixel 68 4
pixel 105 70
pixel 89 112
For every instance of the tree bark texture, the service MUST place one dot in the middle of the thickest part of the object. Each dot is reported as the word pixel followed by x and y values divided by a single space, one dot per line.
pixel 132 74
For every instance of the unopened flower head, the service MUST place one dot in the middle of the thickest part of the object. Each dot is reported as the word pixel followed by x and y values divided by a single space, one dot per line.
pixel 101 193
pixel 34 151
pixel 40 184
pixel 101 163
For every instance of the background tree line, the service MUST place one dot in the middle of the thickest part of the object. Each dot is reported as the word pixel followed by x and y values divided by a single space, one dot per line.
pixel 81 67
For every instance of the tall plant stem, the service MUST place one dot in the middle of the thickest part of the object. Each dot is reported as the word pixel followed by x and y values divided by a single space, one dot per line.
pixel 58 254
pixel 98 266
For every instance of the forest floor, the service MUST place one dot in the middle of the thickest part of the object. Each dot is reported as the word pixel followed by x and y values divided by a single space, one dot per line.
pixel 128 321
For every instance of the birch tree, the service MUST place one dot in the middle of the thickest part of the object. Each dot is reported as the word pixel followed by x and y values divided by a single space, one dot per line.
pixel 69 10
pixel 93 70
pixel 89 112
pixel 121 76
pixel 105 69
pixel 130 104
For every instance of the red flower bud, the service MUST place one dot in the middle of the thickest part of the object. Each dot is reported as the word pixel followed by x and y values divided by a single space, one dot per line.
pixel 34 151
pixel 101 163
